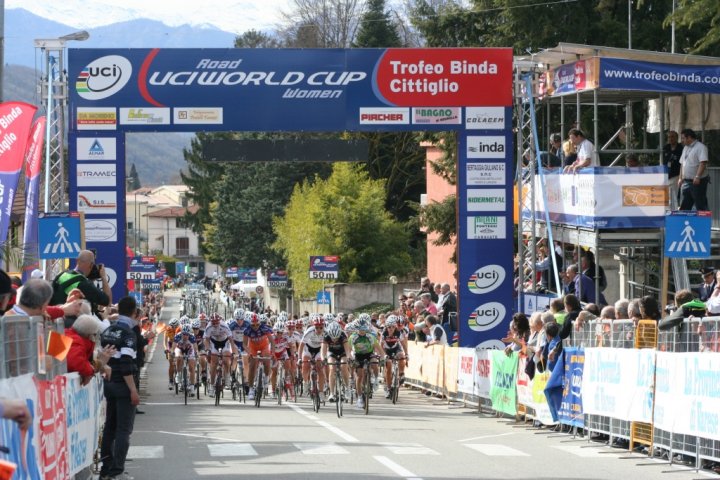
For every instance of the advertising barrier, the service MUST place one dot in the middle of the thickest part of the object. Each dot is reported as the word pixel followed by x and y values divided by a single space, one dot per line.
pixel 53 428
pixel 571 407
pixel 83 404
pixel 24 446
pixel 503 386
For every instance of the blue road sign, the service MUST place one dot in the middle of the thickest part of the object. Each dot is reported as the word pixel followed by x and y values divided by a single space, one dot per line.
pixel 60 235
pixel 138 297
pixel 323 297
pixel 687 234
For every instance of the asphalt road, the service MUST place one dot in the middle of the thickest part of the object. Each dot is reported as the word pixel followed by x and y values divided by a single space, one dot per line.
pixel 419 438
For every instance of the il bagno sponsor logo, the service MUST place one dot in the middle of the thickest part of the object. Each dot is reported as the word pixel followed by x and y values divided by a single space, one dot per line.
pixel 103 77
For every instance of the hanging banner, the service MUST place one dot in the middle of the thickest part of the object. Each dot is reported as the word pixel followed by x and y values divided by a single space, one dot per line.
pixel 82 403
pixel 15 121
pixel 24 446
pixel 571 407
pixel 53 428
pixel 277 278
pixel 33 165
pixel 503 374
pixel 622 74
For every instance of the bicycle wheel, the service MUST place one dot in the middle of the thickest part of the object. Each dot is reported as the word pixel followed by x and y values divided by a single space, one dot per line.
pixel 367 389
pixel 241 380
pixel 314 392
pixel 218 385
pixel 197 378
pixel 280 383
pixel 395 383
pixel 177 384
pixel 185 382
pixel 338 392
pixel 259 385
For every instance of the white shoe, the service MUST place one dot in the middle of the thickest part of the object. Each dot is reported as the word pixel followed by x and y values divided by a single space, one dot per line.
pixel 360 403
pixel 251 394
pixel 387 393
pixel 211 391
pixel 171 385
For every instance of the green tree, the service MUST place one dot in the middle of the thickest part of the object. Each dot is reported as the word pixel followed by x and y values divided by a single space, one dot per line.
pixel 344 215
pixel 133 179
pixel 376 27
pixel 698 23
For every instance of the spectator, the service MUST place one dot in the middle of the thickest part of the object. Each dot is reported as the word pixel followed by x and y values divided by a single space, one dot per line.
pixel 436 334
pixel 557 308
pixel 585 151
pixel 428 304
pixel 84 334
pixel 519 333
pixel 693 179
pixel 584 287
pixel 537 338
pixel 120 391
pixel 142 343
pixel 426 286
pixel 447 303
pixel 34 298
pixel 80 278
pixel 592 308
pixel 573 309
pixel 17 411
pixel 587 263
pixel 649 308
pixel 687 307
pixel 621 309
pixel 672 152
pixel 551 349
pixel 632 161
pixel 713 301
pixel 6 290
pixel 709 282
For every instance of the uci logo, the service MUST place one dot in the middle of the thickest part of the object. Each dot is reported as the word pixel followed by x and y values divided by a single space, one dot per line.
pixel 486 317
pixel 486 279
pixel 103 77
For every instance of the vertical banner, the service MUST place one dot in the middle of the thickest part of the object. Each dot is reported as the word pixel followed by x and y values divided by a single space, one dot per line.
pixel 571 407
pixel 15 121
pixel 482 373
pixel 82 405
pixel 24 446
pixel 502 388
pixel 53 429
pixel 485 226
pixel 33 166
pixel 466 371
pixel 97 188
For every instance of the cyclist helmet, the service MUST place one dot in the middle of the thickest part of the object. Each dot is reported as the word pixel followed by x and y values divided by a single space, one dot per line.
pixel 364 317
pixel 329 317
pixel 216 317
pixel 248 316
pixel 184 319
pixel 318 322
pixel 334 331
pixel 254 319
pixel 391 321
pixel 196 323
pixel 263 318
pixel 186 330
pixel 238 313
pixel 291 323
pixel 340 316
pixel 279 327
pixel 283 316
pixel 174 322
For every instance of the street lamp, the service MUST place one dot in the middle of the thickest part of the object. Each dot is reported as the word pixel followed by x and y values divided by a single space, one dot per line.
pixel 393 281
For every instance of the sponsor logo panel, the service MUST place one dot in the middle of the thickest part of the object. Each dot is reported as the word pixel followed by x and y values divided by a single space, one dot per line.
pixel 103 77
pixel 486 316
pixel 96 118
pixel 144 116
pixel 645 195
pixel 101 230
pixel 486 147
pixel 198 115
pixel 482 174
pixel 100 175
pixel 486 279
pixel 486 200
pixel 491 227
pixel 384 116
pixel 97 148
pixel 437 115
pixel 485 118
pixel 97 202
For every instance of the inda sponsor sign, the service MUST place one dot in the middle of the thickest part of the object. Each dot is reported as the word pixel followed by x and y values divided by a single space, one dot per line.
pixel 306 89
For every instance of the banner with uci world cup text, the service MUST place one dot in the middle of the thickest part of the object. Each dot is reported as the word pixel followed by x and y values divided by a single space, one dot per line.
pixel 15 121
pixel 33 165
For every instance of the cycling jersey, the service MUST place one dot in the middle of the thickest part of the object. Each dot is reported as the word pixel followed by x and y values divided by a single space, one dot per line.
pixel 199 341
pixel 238 331
pixel 363 344
pixel 218 333
pixel 258 339
pixel 171 333
pixel 337 345
pixel 312 339
pixel 282 347
pixel 184 344
pixel 391 342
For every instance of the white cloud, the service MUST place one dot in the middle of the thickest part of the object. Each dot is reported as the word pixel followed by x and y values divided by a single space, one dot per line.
pixel 234 16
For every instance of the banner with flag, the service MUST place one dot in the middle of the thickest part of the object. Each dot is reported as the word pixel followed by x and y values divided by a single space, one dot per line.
pixel 33 165
pixel 15 121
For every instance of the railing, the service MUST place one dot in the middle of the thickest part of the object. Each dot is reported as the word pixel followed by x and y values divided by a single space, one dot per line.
pixel 182 252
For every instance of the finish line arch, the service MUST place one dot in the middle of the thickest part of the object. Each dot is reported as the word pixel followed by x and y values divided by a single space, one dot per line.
pixel 466 90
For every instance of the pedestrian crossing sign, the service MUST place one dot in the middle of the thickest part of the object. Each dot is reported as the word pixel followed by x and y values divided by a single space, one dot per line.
pixel 687 234
pixel 60 235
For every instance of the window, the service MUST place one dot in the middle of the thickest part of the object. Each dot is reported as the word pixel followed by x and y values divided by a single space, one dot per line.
pixel 130 225
pixel 182 246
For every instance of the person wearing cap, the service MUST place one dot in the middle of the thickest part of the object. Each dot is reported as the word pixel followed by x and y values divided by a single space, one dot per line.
pixel 705 290
pixel 78 278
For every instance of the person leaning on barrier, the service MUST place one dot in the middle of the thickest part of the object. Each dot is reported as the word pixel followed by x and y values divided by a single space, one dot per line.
pixel 34 297
pixel 436 334
pixel 84 334
pixel 687 307
pixel 551 349
pixel 6 290
pixel 81 278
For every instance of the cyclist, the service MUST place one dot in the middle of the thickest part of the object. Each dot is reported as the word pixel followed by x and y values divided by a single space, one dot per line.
pixel 172 329
pixel 257 341
pixel 283 351
pixel 217 341
pixel 203 321
pixel 237 326
pixel 310 347
pixel 365 347
pixel 394 342
pixel 200 346
pixel 295 338
pixel 335 347
pixel 185 345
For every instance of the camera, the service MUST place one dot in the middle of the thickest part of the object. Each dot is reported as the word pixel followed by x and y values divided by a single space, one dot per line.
pixel 95 272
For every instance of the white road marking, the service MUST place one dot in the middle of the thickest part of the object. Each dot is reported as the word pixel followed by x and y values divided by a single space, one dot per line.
pixel 298 409
pixel 206 437
pixel 409 449
pixel 486 436
pixel 398 469
pixel 581 452
pixel 320 449
pixel 231 450
pixel 496 450
pixel 146 451
pixel 345 436
pixel 313 417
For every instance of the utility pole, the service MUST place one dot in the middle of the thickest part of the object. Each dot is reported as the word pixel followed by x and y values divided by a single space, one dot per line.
pixel 2 50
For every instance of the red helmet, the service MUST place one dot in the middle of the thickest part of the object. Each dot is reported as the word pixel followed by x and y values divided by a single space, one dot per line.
pixel 255 319
pixel 216 317
pixel 319 322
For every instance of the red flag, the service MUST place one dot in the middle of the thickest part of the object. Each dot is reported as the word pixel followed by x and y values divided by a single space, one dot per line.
pixel 33 166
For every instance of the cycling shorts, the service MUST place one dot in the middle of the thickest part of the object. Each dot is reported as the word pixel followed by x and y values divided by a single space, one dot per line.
pixel 282 355
pixel 264 352
pixel 311 353
pixel 180 352
pixel 220 347
pixel 362 358
pixel 339 354
pixel 393 352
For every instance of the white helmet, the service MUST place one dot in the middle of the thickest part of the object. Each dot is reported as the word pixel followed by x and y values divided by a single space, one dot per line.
pixel 329 318
pixel 196 323
pixel 238 313
pixel 334 330
pixel 174 322
pixel 391 321
pixel 279 327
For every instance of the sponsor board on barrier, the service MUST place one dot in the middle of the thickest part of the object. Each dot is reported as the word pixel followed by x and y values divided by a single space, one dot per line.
pixel 96 148
pixel 82 404
pixel 384 116
pixel 481 373
pixel 144 116
pixel 503 375
pixel 96 118
pixel 485 118
pixel 486 147
pixel 437 115
pixel 24 446
pixel 485 174
pixel 571 406
pixel 466 370
pixel 53 428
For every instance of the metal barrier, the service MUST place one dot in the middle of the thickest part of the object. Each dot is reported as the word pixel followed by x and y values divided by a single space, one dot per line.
pixel 24 341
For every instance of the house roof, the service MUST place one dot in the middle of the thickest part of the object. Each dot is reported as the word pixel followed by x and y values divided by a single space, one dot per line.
pixel 173 212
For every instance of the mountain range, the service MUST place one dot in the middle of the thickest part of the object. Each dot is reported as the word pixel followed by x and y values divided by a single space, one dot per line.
pixel 157 157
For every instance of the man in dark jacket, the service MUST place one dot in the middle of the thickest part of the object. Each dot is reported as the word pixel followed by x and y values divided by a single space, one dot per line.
pixel 685 338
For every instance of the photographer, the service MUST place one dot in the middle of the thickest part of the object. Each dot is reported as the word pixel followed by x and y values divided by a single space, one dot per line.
pixel 82 278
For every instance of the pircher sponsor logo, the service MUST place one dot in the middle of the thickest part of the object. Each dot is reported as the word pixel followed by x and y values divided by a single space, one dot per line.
pixel 485 118
pixel 486 279
pixel 486 227
pixel 486 316
pixel 485 174
pixel 145 116
pixel 103 77
pixel 384 116
pixel 437 115
pixel 492 199
pixel 486 147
